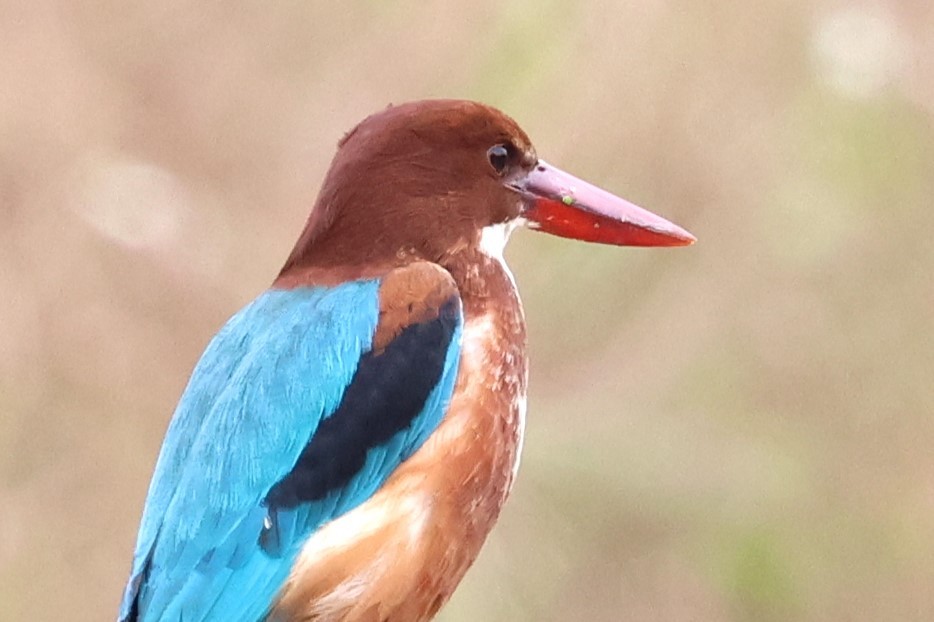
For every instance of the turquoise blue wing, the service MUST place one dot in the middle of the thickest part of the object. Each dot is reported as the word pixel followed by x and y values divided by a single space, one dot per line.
pixel 290 419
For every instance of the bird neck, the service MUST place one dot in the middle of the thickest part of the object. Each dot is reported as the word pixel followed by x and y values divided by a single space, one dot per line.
pixel 482 277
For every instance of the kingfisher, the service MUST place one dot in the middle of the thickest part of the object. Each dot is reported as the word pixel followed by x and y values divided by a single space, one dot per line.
pixel 348 439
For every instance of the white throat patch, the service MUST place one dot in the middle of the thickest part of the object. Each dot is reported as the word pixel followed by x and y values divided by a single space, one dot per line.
pixel 493 238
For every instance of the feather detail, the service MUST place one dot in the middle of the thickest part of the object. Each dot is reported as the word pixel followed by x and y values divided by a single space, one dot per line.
pixel 398 556
pixel 284 392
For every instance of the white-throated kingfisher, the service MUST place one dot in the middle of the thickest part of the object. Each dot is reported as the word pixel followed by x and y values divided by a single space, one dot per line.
pixel 348 439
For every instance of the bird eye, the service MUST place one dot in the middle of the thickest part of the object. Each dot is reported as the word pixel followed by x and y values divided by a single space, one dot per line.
pixel 499 157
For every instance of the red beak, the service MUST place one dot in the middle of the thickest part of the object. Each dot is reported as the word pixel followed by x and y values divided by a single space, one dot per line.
pixel 563 205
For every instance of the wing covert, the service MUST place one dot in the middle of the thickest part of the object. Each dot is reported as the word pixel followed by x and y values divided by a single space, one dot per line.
pixel 300 408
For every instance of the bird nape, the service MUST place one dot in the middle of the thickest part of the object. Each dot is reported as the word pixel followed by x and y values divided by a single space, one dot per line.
pixel 347 440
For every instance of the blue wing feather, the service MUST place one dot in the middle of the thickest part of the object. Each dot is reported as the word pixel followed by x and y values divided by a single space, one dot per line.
pixel 263 386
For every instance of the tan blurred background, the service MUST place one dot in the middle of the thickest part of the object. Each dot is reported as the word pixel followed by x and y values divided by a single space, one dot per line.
pixel 741 430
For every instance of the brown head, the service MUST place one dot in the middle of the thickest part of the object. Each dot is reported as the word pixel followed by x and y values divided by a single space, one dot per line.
pixel 423 179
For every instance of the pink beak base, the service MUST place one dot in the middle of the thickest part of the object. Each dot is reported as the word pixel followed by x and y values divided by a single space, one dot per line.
pixel 566 206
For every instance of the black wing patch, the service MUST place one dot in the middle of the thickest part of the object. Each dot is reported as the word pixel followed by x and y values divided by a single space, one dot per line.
pixel 387 393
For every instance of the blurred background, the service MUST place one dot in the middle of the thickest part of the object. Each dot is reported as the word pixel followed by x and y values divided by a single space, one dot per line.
pixel 740 430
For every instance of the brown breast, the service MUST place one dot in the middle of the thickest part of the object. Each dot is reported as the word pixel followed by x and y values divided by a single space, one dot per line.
pixel 399 556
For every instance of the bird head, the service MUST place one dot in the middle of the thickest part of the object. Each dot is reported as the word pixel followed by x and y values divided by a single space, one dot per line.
pixel 426 178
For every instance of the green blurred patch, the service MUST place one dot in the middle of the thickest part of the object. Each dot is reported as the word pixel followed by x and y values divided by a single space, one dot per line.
pixel 875 152
pixel 528 41
pixel 852 165
pixel 759 577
